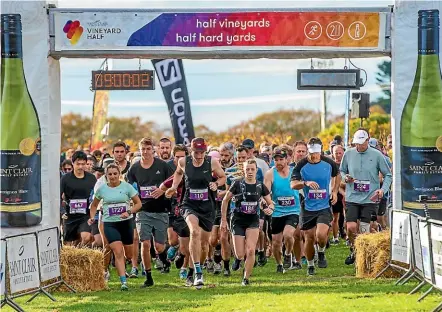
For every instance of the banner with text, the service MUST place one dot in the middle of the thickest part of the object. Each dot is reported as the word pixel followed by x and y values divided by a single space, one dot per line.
pixel 417 107
pixel 23 263
pixel 30 121
pixel 400 237
pixel 425 244
pixel 48 248
pixel 436 244
pixel 170 73
pixel 110 30
pixel 416 243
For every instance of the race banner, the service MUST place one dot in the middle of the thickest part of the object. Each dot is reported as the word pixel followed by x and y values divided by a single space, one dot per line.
pixel 22 263
pixel 170 73
pixel 111 30
pixel 3 267
pixel 400 237
pixel 48 248
pixel 99 116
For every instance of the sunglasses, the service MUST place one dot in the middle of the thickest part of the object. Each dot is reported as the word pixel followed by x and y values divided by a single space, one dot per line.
pixel 67 169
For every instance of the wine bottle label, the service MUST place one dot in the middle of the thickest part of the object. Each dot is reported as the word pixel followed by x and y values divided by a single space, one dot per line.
pixel 421 175
pixel 21 181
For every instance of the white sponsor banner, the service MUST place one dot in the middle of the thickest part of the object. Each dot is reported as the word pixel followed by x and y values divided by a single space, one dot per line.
pixel 41 74
pixel 23 263
pixel 436 244
pixel 417 162
pixel 48 244
pixel 101 30
pixel 400 237
pixel 416 241
pixel 2 267
pixel 425 244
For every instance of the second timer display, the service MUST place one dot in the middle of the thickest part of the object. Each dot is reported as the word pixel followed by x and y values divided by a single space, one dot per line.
pixel 123 80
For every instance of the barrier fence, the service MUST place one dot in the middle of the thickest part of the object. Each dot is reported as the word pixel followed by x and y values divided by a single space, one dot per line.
pixel 416 251
pixel 33 259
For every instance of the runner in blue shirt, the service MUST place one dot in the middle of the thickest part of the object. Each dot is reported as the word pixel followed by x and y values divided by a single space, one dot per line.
pixel 313 174
pixel 285 218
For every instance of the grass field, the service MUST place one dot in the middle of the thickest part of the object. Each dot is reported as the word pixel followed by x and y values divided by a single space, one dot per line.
pixel 332 289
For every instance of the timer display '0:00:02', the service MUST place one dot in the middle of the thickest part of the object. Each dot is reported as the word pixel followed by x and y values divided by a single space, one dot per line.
pixel 122 81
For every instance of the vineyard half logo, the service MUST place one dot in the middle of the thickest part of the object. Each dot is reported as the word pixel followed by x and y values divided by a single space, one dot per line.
pixel 73 31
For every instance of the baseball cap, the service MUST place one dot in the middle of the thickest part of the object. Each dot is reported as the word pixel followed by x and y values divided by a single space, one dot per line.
pixel 314 145
pixel 248 143
pixel 279 152
pixel 214 154
pixel 360 137
pixel 373 142
pixel 198 144
pixel 265 157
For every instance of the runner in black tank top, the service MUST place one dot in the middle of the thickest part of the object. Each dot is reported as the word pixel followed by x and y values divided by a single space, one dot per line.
pixel 199 198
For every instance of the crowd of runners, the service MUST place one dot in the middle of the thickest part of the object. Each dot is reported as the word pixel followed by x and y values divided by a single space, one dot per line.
pixel 214 209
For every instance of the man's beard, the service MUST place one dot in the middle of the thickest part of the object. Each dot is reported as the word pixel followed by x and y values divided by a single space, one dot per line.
pixel 165 156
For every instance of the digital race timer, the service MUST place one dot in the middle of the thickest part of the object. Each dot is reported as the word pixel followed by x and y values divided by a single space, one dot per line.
pixel 123 80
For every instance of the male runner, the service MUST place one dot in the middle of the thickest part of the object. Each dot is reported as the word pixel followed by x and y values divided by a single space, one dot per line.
pixel 199 198
pixel 313 174
pixel 338 208
pixel 285 218
pixel 152 220
pixel 76 190
pixel 360 168
pixel 165 149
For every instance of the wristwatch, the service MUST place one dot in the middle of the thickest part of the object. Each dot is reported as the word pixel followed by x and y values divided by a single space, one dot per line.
pixel 129 211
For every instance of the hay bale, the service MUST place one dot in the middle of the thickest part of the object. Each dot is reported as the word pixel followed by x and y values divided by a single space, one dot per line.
pixel 372 255
pixel 82 268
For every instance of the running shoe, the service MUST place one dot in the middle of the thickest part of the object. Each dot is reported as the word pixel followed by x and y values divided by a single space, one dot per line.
pixel 179 260
pixel 262 259
pixel 148 282
pixel 183 273
pixel 322 261
pixel 210 265
pixel 226 272
pixel 189 281
pixel 171 252
pixel 279 268
pixel 133 273
pixel 199 281
pixel 287 261
pixel 158 264
pixel 296 266
pixel 236 265
pixel 107 276
pixel 311 271
pixel 245 282
pixel 124 287
pixel 350 259
pixel 217 268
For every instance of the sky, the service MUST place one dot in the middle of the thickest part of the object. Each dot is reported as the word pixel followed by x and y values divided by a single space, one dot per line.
pixel 222 92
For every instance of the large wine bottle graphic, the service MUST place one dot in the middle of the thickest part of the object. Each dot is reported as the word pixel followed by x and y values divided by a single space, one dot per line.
pixel 20 167
pixel 421 124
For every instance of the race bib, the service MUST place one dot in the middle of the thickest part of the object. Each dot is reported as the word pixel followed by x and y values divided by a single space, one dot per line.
pixel 249 207
pixel 78 206
pixel 116 209
pixel 199 194
pixel 146 191
pixel 317 194
pixel 362 186
pixel 286 201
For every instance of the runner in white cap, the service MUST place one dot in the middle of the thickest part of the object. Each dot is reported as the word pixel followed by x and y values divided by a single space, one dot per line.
pixel 313 174
pixel 360 169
